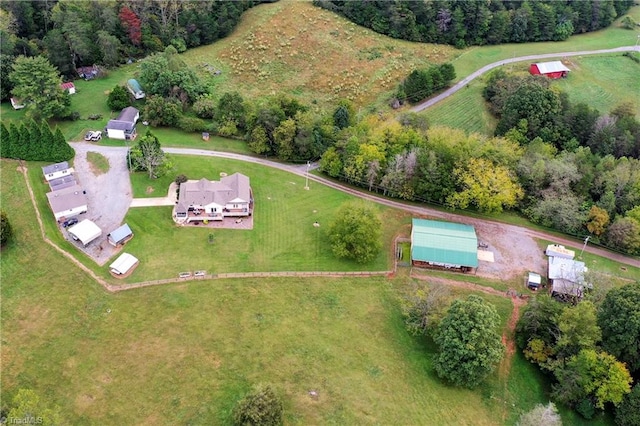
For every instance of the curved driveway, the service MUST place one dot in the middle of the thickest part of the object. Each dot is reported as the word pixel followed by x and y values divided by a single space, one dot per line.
pixel 459 85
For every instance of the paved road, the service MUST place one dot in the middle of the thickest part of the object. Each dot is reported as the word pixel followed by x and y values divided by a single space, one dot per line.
pixel 301 170
pixel 459 85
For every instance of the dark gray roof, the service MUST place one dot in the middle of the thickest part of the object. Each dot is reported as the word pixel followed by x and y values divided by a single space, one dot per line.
pixel 55 167
pixel 62 182
pixel 120 125
pixel 128 114
pixel 205 192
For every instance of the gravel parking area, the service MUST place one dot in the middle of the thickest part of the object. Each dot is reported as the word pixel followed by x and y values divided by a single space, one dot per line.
pixel 108 195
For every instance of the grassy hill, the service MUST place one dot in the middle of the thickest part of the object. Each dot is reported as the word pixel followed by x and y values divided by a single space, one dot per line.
pixel 295 48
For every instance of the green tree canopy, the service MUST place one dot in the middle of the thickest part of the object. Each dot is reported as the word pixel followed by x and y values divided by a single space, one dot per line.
pixel 119 98
pixel 628 412
pixel 590 380
pixel 490 188
pixel 37 84
pixel 619 319
pixel 356 232
pixel 468 342
pixel 147 155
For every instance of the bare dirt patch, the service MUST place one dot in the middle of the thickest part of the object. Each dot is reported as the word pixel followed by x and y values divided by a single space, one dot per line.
pixel 149 190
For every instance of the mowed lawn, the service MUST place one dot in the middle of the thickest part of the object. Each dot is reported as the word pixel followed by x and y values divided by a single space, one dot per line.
pixel 184 354
pixel 283 237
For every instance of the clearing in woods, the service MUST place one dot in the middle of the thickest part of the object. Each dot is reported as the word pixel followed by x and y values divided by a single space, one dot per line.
pixel 298 49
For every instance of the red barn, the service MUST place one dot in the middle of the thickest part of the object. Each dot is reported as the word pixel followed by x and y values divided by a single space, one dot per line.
pixel 555 69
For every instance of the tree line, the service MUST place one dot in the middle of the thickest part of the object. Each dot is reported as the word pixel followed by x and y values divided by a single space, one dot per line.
pixel 464 23
pixel 73 33
pixel 31 141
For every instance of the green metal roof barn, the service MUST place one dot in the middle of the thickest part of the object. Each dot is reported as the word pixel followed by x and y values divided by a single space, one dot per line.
pixel 444 244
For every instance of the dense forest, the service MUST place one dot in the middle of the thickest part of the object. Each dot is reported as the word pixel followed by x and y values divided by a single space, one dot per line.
pixel 477 22
pixel 73 33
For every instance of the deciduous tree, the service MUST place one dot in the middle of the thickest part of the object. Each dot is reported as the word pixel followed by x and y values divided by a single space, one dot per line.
pixel 488 187
pixel 541 415
pixel 628 412
pixel 619 319
pixel 468 342
pixel 356 232
pixel 147 155
pixel 37 84
pixel 592 379
pixel 119 98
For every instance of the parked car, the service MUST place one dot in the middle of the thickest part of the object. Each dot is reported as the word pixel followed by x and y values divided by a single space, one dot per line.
pixel 93 136
pixel 69 222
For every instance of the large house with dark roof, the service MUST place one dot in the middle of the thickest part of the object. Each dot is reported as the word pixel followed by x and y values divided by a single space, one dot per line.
pixel 203 199
pixel 123 127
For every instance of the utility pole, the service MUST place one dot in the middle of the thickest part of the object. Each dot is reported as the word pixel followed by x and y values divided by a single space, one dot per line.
pixel 306 183
pixel 586 240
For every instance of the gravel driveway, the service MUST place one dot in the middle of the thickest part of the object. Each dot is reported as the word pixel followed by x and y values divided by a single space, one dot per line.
pixel 109 194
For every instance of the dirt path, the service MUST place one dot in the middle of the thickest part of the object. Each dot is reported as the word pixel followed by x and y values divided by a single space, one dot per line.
pixel 508 335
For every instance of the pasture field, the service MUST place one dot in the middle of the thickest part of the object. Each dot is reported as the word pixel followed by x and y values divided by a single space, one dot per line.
pixel 294 48
pixel 465 110
pixel 185 353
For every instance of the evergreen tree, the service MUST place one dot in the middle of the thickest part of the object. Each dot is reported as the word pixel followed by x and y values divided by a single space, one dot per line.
pixel 61 150
pixel 47 141
pixel 5 142
pixel 35 143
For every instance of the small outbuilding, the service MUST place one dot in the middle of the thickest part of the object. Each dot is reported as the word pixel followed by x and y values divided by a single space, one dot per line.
pixel 554 69
pixel 445 245
pixel 123 264
pixel 69 87
pixel 16 103
pixel 120 236
pixel 567 277
pixel 85 232
pixel 534 281
pixel 136 90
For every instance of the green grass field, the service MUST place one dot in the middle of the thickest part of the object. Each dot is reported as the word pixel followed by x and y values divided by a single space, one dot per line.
pixel 99 163
pixel 185 353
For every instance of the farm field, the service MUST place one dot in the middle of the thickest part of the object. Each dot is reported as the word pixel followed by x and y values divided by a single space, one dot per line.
pixel 200 346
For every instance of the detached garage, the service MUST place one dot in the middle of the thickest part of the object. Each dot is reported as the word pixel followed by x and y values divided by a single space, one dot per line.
pixel 120 236
pixel 123 264
pixel 85 232
pixel 444 245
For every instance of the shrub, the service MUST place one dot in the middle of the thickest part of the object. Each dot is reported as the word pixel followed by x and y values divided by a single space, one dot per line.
pixel 6 232
pixel 261 406
pixel 118 98
pixel 192 124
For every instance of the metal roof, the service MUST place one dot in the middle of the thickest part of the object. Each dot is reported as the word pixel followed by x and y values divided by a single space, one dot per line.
pixel 444 242
pixel 549 67
pixel 67 199
pixel 52 168
pixel 120 234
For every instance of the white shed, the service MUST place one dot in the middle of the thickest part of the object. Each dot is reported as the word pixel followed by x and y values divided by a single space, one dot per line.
pixel 85 232
pixel 123 264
